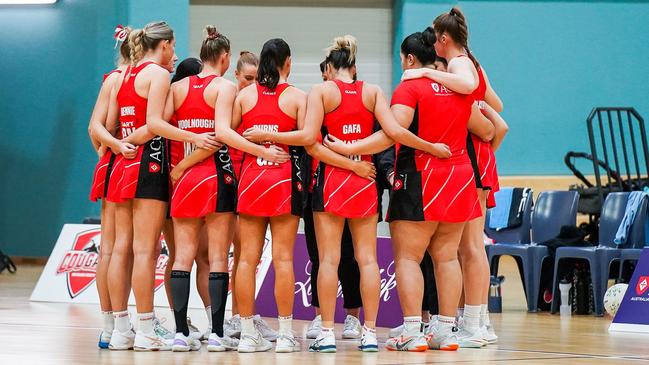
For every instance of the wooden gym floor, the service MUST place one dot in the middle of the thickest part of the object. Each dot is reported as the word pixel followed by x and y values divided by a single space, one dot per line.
pixel 54 333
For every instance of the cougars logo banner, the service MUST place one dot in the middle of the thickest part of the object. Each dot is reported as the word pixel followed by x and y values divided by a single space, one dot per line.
pixel 69 275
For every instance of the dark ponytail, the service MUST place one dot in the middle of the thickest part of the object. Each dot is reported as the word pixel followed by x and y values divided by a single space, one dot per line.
pixel 454 24
pixel 419 46
pixel 272 57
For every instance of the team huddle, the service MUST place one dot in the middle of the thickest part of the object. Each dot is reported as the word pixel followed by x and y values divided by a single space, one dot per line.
pixel 212 164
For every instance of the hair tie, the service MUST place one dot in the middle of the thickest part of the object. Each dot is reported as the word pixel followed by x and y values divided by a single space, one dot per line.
pixel 120 34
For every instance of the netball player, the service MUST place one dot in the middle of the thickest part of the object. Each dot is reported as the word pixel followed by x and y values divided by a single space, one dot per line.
pixel 452 43
pixel 347 109
pixel 99 184
pixel 204 189
pixel 246 74
pixel 141 189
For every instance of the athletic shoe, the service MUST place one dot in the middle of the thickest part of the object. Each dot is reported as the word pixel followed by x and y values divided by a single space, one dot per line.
pixel 151 342
pixel 104 339
pixel 488 334
pixel 221 344
pixel 161 330
pixel 325 342
pixel 233 327
pixel 206 335
pixel 253 343
pixel 286 342
pixel 369 342
pixel 396 331
pixel 467 339
pixel 122 340
pixel 193 329
pixel 446 342
pixel 314 328
pixel 407 343
pixel 184 343
pixel 265 330
pixel 353 328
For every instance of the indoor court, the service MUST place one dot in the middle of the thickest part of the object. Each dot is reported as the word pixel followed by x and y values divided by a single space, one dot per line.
pixel 324 182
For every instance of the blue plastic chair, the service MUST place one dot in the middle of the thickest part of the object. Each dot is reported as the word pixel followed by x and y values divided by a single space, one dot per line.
pixel 520 234
pixel 553 210
pixel 601 256
pixel 633 251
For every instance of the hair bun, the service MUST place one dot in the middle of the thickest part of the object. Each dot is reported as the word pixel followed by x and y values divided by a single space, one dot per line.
pixel 212 32
pixel 347 43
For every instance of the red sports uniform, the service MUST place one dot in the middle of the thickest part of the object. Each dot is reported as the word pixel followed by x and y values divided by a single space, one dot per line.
pixel 340 191
pixel 481 153
pixel 146 176
pixel 209 186
pixel 103 168
pixel 268 189
pixel 427 188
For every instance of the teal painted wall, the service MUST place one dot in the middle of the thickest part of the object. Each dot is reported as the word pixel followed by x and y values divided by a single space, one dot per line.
pixel 53 59
pixel 551 62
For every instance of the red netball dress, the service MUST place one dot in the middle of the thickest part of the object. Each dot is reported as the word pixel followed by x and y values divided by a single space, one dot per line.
pixel 427 188
pixel 268 189
pixel 340 191
pixel 103 168
pixel 480 152
pixel 209 186
pixel 146 176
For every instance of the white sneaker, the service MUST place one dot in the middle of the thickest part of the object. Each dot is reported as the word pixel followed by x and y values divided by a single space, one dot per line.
pixel 407 343
pixel 353 328
pixel 151 342
pixel 184 343
pixel 265 330
pixel 325 342
pixel 233 327
pixel 468 339
pixel 122 340
pixel 314 328
pixel 286 342
pixel 221 344
pixel 369 342
pixel 104 339
pixel 253 343
pixel 193 330
pixel 488 334
pixel 396 331
pixel 161 330
pixel 444 342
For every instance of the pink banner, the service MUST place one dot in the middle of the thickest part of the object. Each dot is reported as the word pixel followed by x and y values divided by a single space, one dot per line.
pixel 389 308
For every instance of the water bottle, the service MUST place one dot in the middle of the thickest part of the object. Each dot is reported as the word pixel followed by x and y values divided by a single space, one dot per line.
pixel 566 306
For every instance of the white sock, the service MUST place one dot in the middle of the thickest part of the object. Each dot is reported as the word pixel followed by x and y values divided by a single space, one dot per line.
pixel 484 315
pixel 236 317
pixel 370 330
pixel 109 321
pixel 145 322
pixel 247 325
pixel 472 317
pixel 122 321
pixel 412 326
pixel 327 331
pixel 208 311
pixel 459 314
pixel 445 325
pixel 285 324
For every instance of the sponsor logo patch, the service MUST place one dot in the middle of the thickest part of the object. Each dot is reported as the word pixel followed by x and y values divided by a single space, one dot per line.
pixel 642 286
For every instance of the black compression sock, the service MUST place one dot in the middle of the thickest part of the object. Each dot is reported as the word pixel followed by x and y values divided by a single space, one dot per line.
pixel 218 287
pixel 179 282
